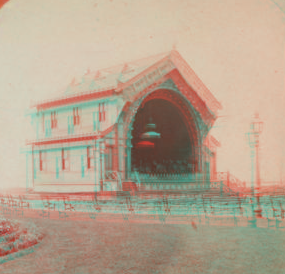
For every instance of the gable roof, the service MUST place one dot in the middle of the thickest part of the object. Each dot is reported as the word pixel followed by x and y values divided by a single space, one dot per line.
pixel 107 82
pixel 109 78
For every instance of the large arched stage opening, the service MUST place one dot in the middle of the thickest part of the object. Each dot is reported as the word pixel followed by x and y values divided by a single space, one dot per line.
pixel 177 151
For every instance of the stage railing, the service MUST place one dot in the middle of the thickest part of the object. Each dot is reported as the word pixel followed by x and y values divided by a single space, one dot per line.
pixel 166 177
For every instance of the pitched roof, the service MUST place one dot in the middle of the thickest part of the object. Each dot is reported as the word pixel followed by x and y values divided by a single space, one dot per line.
pixel 108 78
pixel 97 82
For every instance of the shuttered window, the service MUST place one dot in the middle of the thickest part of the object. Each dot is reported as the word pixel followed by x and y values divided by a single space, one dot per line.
pixel 76 116
pixel 53 119
pixel 102 112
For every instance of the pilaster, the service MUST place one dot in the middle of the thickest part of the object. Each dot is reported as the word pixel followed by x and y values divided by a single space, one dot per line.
pixel 129 155
pixel 97 165
pixel 102 165
pixel 121 151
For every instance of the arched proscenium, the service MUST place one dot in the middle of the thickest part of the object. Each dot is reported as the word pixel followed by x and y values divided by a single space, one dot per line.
pixel 185 111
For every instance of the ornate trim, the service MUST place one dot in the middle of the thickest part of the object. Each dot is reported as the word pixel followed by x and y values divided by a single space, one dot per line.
pixel 174 96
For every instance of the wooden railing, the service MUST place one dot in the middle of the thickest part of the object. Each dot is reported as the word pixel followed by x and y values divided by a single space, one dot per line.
pixel 230 180
pixel 111 175
pixel 114 176
pixel 166 177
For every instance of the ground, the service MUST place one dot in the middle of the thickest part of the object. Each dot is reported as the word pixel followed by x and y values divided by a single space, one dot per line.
pixel 111 247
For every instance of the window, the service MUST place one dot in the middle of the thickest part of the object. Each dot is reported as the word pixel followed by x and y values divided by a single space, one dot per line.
pixel 76 117
pixel 53 119
pixel 102 112
pixel 42 162
pixel 64 159
pixel 89 151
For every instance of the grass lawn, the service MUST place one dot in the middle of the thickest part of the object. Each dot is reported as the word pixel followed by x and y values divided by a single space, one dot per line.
pixel 110 247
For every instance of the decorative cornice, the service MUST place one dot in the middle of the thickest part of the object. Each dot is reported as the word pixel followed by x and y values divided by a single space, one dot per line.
pixel 148 76
pixel 71 139
pixel 84 96
pixel 194 81
pixel 146 79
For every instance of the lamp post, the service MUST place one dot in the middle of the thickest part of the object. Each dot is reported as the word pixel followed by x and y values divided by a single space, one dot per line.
pixel 256 128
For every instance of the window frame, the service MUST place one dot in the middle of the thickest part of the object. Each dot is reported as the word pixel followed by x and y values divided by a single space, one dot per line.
pixel 53 119
pixel 102 112
pixel 76 116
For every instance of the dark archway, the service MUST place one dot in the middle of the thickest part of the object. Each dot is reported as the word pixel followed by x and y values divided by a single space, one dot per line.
pixel 174 151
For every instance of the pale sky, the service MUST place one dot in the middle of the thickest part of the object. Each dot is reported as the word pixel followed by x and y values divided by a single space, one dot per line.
pixel 235 47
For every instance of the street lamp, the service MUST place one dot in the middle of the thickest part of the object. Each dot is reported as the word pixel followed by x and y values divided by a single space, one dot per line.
pixel 256 128
pixel 251 141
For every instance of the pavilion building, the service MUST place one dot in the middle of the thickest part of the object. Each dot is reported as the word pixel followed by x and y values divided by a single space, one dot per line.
pixel 146 121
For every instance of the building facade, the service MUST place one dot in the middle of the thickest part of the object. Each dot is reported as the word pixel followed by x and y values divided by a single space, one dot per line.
pixel 146 121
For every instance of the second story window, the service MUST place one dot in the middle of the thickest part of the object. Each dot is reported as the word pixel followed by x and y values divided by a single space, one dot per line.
pixel 53 119
pixel 76 117
pixel 102 112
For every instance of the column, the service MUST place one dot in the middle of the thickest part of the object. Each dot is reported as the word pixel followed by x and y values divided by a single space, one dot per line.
pixel 97 166
pixel 129 158
pixel 102 164
pixel 27 171
pixel 82 167
pixel 199 161
pixel 115 150
pixel 34 166
pixel 252 170
pixel 121 151
pixel 214 166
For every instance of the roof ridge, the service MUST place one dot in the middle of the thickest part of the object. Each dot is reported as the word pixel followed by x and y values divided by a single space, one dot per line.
pixel 119 69
pixel 137 60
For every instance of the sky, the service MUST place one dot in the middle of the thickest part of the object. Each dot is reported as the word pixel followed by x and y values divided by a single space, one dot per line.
pixel 237 48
